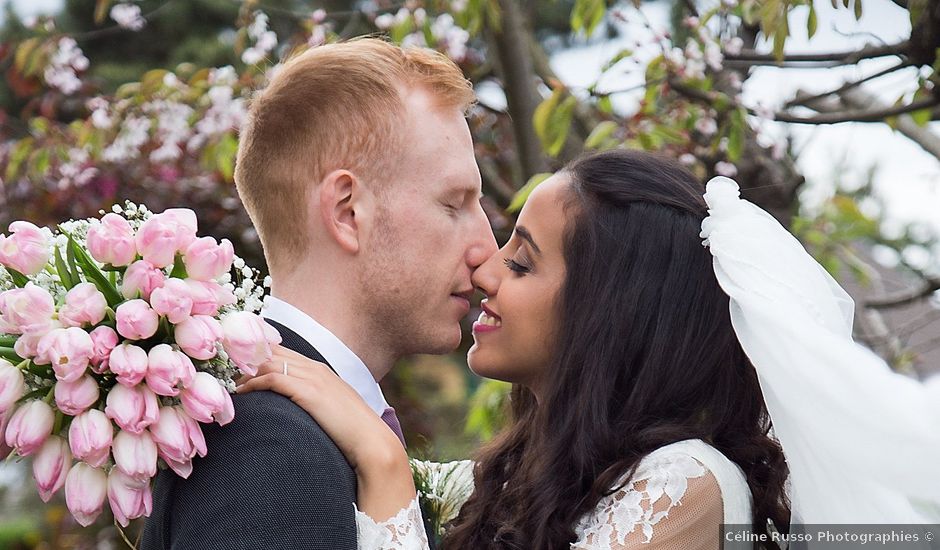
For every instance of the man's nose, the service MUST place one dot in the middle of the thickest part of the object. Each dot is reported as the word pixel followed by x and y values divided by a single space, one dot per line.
pixel 483 242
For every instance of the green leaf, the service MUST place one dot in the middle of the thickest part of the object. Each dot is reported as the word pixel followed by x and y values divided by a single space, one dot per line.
pixel 812 23
pixel 552 120
pixel 621 55
pixel 10 355
pixel 94 275
pixel 858 9
pixel 179 268
pixel 523 194
pixel 225 156
pixel 605 105
pixel 64 275
pixel 70 257
pixel 780 38
pixel 101 10
pixel 19 279
pixel 736 131
pixel 600 134
pixel 20 153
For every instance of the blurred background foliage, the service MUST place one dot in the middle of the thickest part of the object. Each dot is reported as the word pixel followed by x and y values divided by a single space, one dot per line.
pixel 104 101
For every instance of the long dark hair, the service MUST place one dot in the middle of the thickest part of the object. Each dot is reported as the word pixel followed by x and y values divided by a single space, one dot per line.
pixel 646 356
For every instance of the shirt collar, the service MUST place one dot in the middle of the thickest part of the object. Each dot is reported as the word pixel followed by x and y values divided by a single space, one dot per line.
pixel 346 363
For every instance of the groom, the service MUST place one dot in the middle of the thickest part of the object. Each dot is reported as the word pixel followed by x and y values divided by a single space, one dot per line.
pixel 357 169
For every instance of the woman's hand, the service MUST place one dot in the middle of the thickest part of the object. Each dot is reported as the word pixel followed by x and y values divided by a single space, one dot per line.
pixel 370 446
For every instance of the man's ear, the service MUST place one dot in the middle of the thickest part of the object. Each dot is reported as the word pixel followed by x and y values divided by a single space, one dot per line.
pixel 344 208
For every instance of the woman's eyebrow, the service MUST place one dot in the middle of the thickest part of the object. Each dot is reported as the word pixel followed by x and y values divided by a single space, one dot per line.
pixel 527 237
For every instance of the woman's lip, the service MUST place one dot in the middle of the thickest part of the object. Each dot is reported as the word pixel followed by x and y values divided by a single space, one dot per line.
pixel 480 328
pixel 489 311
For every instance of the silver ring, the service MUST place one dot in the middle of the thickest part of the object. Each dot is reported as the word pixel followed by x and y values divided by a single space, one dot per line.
pixel 285 368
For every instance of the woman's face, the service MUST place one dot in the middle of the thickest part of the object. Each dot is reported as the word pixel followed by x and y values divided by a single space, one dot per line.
pixel 514 336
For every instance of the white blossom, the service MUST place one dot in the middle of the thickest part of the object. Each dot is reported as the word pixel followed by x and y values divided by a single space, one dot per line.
pixel 128 16
pixel 727 169
pixel 61 71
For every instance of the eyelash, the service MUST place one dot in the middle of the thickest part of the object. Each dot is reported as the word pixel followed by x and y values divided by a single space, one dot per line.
pixel 515 266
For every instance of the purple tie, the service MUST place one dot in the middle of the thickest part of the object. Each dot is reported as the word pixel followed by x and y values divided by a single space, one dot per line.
pixel 390 418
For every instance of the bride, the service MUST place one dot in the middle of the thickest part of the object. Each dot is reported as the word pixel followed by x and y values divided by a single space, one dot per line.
pixel 638 419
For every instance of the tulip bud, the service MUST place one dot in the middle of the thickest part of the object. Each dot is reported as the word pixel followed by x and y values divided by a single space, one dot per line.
pixel 208 297
pixel 104 339
pixel 136 320
pixel 198 336
pixel 130 498
pixel 206 400
pixel 129 363
pixel 84 305
pixel 135 454
pixel 12 385
pixel 163 235
pixel 112 241
pixel 85 490
pixel 179 438
pixel 133 408
pixel 26 250
pixel 29 427
pixel 90 437
pixel 140 280
pixel 26 309
pixel 76 397
pixel 205 259
pixel 69 350
pixel 172 300
pixel 167 369
pixel 248 340
pixel 51 466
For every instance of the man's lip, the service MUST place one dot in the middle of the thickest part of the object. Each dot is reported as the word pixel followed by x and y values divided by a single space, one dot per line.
pixel 489 311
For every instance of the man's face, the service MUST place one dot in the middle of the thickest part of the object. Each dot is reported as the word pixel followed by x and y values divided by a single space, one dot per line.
pixel 429 236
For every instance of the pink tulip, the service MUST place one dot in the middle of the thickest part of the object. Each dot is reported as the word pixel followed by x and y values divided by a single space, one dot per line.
pixel 136 320
pixel 26 250
pixel 29 427
pixel 248 340
pixel 135 454
pixel 198 336
pixel 104 339
pixel 130 498
pixel 69 350
pixel 5 449
pixel 76 397
pixel 208 297
pixel 112 241
pixel 172 300
pixel 51 466
pixel 140 280
pixel 205 259
pixel 167 369
pixel 163 235
pixel 90 436
pixel 26 309
pixel 84 305
pixel 206 400
pixel 129 363
pixel 179 438
pixel 12 385
pixel 85 490
pixel 27 345
pixel 132 408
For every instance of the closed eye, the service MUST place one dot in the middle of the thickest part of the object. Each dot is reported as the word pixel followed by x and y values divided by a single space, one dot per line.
pixel 516 266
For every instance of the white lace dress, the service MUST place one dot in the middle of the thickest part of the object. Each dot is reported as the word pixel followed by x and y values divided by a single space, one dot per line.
pixel 677 499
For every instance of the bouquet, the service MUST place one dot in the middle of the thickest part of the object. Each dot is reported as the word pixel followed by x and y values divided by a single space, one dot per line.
pixel 443 488
pixel 119 336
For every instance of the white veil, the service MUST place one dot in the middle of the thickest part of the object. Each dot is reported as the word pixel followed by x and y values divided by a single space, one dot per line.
pixel 862 442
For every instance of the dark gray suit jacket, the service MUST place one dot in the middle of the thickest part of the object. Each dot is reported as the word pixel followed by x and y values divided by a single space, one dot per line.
pixel 272 479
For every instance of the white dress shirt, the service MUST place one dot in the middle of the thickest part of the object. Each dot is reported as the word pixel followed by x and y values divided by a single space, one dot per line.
pixel 346 363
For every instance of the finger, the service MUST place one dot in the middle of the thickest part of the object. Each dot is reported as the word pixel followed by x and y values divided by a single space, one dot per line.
pixel 272 382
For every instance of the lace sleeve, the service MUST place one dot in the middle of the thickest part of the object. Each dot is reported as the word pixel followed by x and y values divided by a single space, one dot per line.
pixel 404 531
pixel 671 503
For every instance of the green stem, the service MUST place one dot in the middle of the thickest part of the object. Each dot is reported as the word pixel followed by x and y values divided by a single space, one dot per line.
pixel 49 396
pixel 10 355
pixel 59 417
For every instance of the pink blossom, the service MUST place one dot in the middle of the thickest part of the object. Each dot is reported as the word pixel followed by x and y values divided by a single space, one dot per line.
pixel 76 397
pixel 84 305
pixel 104 339
pixel 133 409
pixel 26 250
pixel 167 369
pixel 135 454
pixel 26 309
pixel 112 241
pixel 172 300
pixel 29 427
pixel 136 320
pixel 90 436
pixel 163 235
pixel 206 400
pixel 129 363
pixel 205 259
pixel 130 498
pixel 51 466
pixel 140 279
pixel 85 490
pixel 12 385
pixel 179 438
pixel 198 336
pixel 208 297
pixel 27 345
pixel 248 340
pixel 69 350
